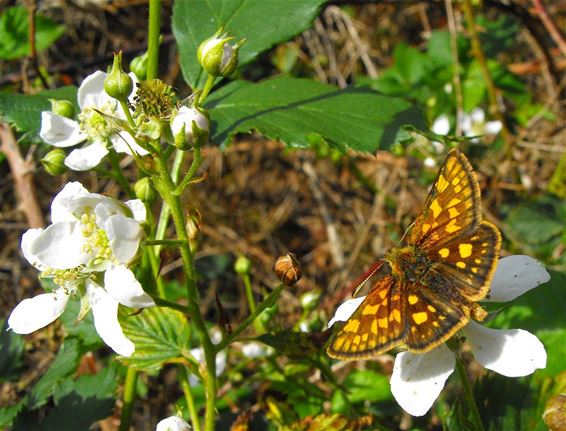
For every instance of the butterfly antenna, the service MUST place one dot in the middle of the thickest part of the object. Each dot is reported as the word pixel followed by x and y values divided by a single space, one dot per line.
pixel 358 283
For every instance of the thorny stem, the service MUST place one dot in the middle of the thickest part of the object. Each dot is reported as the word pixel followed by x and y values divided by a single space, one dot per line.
pixel 128 399
pixel 468 394
pixel 166 187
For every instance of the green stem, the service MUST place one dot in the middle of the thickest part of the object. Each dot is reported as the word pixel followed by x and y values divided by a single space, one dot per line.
pixel 118 175
pixel 128 114
pixel 267 303
pixel 128 399
pixel 184 376
pixel 166 186
pixel 169 242
pixel 251 302
pixel 169 304
pixel 191 172
pixel 205 91
pixel 153 38
pixel 469 395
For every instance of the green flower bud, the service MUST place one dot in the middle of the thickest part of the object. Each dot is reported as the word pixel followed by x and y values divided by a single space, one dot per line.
pixel 63 108
pixel 139 66
pixel 243 265
pixel 144 190
pixel 149 128
pixel 54 162
pixel 118 84
pixel 190 127
pixel 217 56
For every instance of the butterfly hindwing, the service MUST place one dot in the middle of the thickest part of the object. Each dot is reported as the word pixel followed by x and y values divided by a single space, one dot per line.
pixel 374 327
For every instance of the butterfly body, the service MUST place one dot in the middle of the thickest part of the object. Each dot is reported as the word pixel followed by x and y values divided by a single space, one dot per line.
pixel 442 267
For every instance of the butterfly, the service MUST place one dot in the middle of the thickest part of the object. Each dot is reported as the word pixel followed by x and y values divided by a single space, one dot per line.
pixel 442 267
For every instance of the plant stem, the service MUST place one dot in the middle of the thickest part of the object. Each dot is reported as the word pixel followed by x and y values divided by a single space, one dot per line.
pixel 118 175
pixel 469 395
pixel 267 303
pixel 191 172
pixel 169 242
pixel 251 302
pixel 128 114
pixel 207 87
pixel 128 399
pixel 167 187
pixel 153 38
pixel 184 377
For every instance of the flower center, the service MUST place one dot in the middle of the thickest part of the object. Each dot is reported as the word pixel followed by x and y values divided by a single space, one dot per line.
pixel 66 278
pixel 96 239
pixel 93 123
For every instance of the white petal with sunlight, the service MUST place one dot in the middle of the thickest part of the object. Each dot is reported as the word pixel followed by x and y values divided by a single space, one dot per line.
pixel 60 131
pixel 91 91
pixel 418 379
pixel 138 209
pixel 60 209
pixel 105 312
pixel 123 142
pixel 511 352
pixel 122 285
pixel 60 246
pixel 35 313
pixel 345 310
pixel 124 235
pixel 83 159
pixel 28 238
pixel 514 276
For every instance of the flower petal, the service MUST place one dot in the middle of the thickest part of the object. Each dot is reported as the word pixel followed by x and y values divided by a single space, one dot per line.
pixel 83 159
pixel 28 239
pixel 512 352
pixel 441 125
pixel 60 131
pixel 105 312
pixel 345 310
pixel 122 285
pixel 477 116
pixel 60 246
pixel 60 209
pixel 123 142
pixel 514 276
pixel 493 127
pixel 124 235
pixel 35 313
pixel 173 423
pixel 91 91
pixel 418 379
pixel 138 209
pixel 198 354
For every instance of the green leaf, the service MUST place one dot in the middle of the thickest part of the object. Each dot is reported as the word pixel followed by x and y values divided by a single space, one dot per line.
pixel 160 335
pixel 257 20
pixel 23 111
pixel 84 329
pixel 292 109
pixel 100 385
pixel 11 353
pixel 14 33
pixel 8 414
pixel 532 226
pixel 363 386
pixel 64 365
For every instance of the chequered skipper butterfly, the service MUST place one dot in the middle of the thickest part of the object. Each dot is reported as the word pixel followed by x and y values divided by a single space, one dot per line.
pixel 442 267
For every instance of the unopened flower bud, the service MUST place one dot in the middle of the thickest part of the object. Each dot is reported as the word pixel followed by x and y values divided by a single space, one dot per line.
pixel 118 84
pixel 54 162
pixel 63 108
pixel 173 423
pixel 217 56
pixel 288 269
pixel 139 66
pixel 242 265
pixel 144 190
pixel 190 127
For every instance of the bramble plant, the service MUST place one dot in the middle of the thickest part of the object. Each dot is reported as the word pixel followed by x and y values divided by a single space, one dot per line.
pixel 101 258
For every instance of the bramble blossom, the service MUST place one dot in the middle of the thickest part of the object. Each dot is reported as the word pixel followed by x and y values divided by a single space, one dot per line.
pixel 91 126
pixel 85 251
pixel 418 379
pixel 173 423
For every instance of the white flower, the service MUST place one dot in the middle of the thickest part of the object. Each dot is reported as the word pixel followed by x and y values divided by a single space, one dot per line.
pixel 63 132
pixel 198 354
pixel 173 423
pixel 418 379
pixel 253 350
pixel 474 124
pixel 85 251
pixel 188 125
pixel 441 125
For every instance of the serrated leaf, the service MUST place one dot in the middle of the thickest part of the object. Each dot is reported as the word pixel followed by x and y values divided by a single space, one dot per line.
pixel 159 334
pixel 23 111
pixel 11 353
pixel 291 109
pixel 14 33
pixel 532 226
pixel 8 414
pixel 84 329
pixel 363 385
pixel 257 20
pixel 100 385
pixel 65 364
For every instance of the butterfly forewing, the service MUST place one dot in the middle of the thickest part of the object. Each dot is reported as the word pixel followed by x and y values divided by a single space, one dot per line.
pixel 375 326
pixel 452 208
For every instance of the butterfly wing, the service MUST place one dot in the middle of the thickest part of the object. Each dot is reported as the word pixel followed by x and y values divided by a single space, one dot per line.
pixel 452 208
pixel 375 327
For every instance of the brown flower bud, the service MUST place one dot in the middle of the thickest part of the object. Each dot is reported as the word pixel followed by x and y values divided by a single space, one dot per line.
pixel 288 269
pixel 554 415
